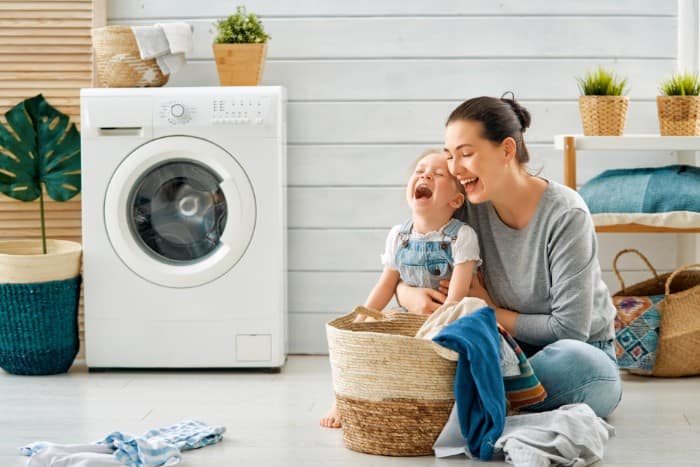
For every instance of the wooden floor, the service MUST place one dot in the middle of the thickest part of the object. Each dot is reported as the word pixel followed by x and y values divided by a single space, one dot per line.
pixel 272 419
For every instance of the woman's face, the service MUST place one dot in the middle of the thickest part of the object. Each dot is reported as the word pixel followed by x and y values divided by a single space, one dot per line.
pixel 478 164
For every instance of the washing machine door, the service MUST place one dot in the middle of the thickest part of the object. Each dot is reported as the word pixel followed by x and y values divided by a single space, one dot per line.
pixel 180 211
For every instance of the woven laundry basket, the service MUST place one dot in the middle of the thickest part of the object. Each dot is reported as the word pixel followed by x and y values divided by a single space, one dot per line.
pixel 394 392
pixel 119 63
pixel 679 330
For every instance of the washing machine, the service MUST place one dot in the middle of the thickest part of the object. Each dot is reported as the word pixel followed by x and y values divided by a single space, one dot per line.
pixel 184 227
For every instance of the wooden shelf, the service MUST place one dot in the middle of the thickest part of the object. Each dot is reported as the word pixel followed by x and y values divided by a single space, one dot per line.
pixel 571 143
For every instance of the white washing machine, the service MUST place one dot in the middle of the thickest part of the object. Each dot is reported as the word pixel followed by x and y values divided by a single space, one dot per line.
pixel 184 227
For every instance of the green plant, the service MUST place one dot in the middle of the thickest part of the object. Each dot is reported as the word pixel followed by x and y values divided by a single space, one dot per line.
pixel 681 84
pixel 602 83
pixel 240 28
pixel 40 150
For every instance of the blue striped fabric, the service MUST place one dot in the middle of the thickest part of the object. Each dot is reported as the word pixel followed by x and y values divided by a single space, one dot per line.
pixel 157 447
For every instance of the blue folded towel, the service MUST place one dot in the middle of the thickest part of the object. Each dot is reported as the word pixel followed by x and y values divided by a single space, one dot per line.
pixel 645 190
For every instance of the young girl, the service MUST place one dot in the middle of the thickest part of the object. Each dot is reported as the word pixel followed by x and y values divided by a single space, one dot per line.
pixel 429 247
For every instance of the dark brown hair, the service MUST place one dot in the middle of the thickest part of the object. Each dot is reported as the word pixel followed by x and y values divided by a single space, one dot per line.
pixel 500 119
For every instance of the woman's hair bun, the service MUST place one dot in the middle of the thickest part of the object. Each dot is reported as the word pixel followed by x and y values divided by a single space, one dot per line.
pixel 520 111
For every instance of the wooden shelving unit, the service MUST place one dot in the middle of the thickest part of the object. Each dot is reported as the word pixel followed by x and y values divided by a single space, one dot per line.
pixel 570 144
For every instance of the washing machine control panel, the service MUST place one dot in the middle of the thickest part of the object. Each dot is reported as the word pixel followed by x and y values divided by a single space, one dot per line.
pixel 239 111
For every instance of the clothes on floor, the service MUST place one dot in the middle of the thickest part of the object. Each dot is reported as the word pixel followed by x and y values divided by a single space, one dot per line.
pixel 157 447
pixel 572 436
pixel 479 390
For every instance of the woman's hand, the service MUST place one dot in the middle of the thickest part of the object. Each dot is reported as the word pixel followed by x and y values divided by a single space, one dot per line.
pixel 421 301
pixel 478 290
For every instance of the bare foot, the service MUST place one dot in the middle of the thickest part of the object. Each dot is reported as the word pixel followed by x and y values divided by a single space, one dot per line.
pixel 331 419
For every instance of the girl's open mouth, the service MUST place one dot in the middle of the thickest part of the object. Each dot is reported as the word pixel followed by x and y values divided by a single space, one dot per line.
pixel 423 191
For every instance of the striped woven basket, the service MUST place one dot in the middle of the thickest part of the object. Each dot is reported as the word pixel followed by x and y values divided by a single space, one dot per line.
pixel 679 115
pixel 118 60
pixel 603 115
pixel 394 392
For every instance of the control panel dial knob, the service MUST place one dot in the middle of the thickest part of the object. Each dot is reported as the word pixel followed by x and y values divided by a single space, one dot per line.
pixel 177 110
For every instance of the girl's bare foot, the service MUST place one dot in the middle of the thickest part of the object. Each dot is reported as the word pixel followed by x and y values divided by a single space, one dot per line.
pixel 331 419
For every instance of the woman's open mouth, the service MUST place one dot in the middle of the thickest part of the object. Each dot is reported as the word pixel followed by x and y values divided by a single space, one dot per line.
pixel 469 184
pixel 422 191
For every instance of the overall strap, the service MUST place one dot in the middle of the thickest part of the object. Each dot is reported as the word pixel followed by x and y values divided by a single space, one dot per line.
pixel 452 229
pixel 405 232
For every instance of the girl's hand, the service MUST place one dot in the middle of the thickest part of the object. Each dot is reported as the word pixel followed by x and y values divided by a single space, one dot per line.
pixel 421 301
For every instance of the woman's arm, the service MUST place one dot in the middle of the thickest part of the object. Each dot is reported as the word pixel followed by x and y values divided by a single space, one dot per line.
pixel 460 281
pixel 383 290
pixel 419 300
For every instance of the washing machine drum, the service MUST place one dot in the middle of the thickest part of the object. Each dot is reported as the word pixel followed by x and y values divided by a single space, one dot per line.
pixel 180 211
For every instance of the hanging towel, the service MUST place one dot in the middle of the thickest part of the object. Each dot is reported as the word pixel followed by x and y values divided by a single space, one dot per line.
pixel 157 447
pixel 572 435
pixel 179 36
pixel 151 41
pixel 479 389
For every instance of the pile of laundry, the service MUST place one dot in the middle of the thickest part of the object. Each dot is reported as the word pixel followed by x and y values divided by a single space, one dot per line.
pixel 157 447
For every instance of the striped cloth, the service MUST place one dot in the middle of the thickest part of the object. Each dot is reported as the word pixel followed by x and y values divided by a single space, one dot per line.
pixel 524 389
pixel 157 447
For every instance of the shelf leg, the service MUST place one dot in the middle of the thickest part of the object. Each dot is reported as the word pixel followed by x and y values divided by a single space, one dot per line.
pixel 569 162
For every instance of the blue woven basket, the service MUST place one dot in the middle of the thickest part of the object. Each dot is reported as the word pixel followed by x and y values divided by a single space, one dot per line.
pixel 39 326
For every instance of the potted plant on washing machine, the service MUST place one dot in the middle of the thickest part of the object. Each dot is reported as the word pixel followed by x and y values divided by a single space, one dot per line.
pixel 39 279
pixel 240 48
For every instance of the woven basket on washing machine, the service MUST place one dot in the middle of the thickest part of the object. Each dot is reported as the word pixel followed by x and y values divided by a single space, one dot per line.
pixel 394 392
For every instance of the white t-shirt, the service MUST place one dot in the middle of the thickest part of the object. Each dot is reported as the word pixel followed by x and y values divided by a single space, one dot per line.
pixel 464 248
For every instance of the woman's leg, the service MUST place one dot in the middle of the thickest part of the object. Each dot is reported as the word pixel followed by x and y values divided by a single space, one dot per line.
pixel 572 372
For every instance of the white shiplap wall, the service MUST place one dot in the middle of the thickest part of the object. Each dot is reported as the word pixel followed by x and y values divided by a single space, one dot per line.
pixel 370 83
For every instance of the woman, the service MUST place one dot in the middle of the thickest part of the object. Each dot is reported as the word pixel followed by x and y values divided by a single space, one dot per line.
pixel 539 249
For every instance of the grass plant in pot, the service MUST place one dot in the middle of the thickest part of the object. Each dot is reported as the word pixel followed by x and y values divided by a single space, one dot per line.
pixel 39 279
pixel 602 103
pixel 679 105
pixel 240 48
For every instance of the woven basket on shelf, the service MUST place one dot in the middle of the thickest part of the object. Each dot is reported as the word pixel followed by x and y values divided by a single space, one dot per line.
pixel 603 115
pixel 679 115
pixel 679 331
pixel 394 392
pixel 119 63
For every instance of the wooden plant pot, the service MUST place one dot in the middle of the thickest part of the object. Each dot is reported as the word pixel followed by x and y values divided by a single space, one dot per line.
pixel 240 64
pixel 679 115
pixel 603 115
pixel 39 297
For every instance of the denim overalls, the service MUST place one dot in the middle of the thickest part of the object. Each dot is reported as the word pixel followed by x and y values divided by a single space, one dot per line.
pixel 425 263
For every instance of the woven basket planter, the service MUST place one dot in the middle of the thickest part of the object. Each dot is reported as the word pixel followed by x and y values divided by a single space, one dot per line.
pixel 394 392
pixel 119 63
pixel 240 64
pixel 679 115
pixel 603 115
pixel 39 299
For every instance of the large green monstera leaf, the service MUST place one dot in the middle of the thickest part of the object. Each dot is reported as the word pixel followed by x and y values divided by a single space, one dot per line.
pixel 43 148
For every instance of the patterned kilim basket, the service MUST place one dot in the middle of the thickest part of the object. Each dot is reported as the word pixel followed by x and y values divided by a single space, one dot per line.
pixel 119 63
pixel 679 334
pixel 678 115
pixel 394 392
pixel 603 115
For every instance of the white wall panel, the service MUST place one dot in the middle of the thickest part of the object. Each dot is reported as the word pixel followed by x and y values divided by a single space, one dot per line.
pixel 423 122
pixel 158 9
pixel 429 79
pixel 457 37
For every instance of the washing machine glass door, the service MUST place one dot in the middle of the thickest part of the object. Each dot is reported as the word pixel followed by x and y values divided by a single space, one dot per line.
pixel 180 211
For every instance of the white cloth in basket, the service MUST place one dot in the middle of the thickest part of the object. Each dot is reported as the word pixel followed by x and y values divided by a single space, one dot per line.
pixel 168 43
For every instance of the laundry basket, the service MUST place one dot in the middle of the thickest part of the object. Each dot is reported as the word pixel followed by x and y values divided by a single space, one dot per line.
pixel 119 63
pixel 679 331
pixel 394 392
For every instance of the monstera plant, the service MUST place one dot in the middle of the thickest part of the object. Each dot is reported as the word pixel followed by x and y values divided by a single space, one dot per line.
pixel 41 149
pixel 39 281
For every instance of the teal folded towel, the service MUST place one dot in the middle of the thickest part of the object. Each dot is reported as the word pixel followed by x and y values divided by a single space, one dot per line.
pixel 644 190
